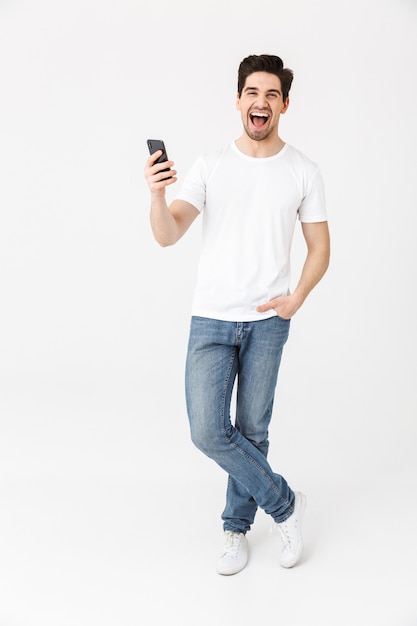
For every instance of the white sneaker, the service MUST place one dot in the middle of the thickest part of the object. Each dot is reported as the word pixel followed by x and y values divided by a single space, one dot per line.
pixel 290 531
pixel 235 553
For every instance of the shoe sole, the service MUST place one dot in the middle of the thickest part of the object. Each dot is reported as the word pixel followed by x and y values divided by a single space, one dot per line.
pixel 231 572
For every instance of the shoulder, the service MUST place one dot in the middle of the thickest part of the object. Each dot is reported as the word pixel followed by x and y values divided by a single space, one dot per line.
pixel 207 162
pixel 306 171
pixel 301 161
pixel 213 156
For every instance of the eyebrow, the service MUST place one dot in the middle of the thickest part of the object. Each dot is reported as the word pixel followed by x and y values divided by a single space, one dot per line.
pixel 256 89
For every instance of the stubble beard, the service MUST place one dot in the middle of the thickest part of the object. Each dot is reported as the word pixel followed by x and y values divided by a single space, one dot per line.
pixel 259 135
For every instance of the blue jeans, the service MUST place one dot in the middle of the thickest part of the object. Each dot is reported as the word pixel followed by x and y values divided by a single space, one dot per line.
pixel 218 353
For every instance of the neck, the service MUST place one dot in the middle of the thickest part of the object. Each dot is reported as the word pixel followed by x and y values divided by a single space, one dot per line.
pixel 260 149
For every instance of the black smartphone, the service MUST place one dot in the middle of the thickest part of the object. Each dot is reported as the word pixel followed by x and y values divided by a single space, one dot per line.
pixel 157 144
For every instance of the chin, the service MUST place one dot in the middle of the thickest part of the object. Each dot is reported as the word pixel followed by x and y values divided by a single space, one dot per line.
pixel 257 136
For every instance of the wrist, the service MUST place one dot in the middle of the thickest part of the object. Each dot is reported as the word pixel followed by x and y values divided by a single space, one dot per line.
pixel 298 297
pixel 157 194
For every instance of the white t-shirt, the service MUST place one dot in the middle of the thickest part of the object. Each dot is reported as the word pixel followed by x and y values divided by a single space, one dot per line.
pixel 249 208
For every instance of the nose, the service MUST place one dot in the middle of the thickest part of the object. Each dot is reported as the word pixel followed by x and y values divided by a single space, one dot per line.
pixel 261 101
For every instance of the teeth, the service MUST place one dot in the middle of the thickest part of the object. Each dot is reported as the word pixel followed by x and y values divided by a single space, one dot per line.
pixel 259 115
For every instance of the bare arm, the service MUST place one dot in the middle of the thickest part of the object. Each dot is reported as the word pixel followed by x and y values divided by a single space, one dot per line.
pixel 169 223
pixel 317 261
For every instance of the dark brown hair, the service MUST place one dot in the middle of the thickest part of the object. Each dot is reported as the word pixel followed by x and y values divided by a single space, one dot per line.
pixel 265 63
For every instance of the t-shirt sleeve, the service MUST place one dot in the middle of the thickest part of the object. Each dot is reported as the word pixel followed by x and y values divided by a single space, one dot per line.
pixel 193 188
pixel 313 205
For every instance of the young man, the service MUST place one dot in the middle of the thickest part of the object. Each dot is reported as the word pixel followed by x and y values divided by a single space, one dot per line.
pixel 250 194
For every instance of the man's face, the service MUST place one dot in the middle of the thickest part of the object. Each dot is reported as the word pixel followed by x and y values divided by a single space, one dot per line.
pixel 261 105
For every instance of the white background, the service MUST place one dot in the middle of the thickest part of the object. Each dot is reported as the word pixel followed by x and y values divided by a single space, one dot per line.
pixel 108 515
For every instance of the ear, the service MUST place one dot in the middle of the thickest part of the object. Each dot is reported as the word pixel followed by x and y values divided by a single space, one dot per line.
pixel 237 102
pixel 285 105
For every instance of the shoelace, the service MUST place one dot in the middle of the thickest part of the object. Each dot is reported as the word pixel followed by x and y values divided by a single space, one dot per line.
pixel 232 544
pixel 283 533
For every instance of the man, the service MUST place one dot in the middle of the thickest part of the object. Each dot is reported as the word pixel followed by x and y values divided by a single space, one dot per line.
pixel 250 194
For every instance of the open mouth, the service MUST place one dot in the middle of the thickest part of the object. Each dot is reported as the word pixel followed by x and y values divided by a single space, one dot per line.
pixel 258 118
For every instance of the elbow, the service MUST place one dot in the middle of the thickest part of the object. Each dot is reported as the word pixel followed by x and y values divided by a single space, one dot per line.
pixel 164 241
pixel 325 263
pixel 165 244
pixel 328 255
pixel 163 238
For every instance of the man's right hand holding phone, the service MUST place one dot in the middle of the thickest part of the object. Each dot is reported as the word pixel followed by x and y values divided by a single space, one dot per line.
pixel 168 223
pixel 155 175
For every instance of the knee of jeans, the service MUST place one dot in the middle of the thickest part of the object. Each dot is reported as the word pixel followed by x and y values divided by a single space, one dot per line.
pixel 205 440
pixel 201 442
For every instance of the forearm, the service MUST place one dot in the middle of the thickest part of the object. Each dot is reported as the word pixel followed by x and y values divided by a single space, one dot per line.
pixel 317 260
pixel 164 225
pixel 314 268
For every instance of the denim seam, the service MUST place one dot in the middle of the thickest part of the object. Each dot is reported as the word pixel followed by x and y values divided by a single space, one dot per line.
pixel 226 382
pixel 223 430
pixel 259 467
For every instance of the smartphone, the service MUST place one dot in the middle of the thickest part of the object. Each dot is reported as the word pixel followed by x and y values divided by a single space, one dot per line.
pixel 158 144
